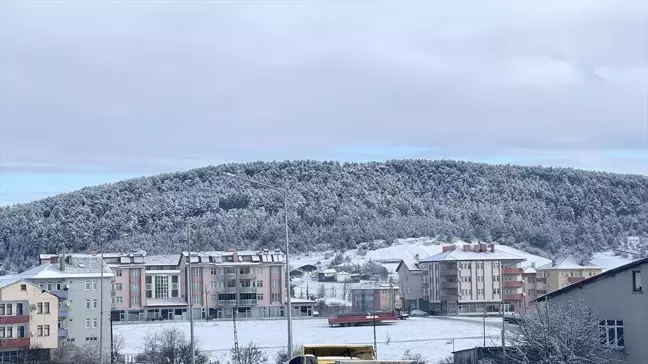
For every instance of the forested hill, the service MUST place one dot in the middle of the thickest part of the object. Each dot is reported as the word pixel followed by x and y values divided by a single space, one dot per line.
pixel 333 205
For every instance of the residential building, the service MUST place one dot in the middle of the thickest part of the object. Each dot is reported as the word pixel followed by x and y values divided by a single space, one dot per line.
pixel 617 296
pixel 562 272
pixel 529 277
pixel 491 354
pixel 76 280
pixel 375 296
pixel 28 320
pixel 411 285
pixel 472 280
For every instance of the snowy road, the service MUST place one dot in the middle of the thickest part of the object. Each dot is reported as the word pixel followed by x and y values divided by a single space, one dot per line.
pixel 429 336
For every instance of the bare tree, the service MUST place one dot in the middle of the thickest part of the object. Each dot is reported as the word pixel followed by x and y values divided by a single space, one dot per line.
pixel 248 354
pixel 346 287
pixel 321 291
pixel 558 333
pixel 119 343
pixel 282 357
pixel 67 352
pixel 333 291
pixel 170 346
pixel 415 358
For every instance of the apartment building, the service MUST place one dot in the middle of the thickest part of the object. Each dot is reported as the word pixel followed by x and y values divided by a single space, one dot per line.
pixel 411 285
pixel 76 280
pixel 562 272
pixel 28 320
pixel 375 296
pixel 160 287
pixel 472 280
pixel 529 276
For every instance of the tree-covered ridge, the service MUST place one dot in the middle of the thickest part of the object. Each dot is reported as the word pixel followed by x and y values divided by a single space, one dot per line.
pixel 334 205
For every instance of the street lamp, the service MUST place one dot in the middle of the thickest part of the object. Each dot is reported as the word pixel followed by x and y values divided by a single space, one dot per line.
pixel 289 301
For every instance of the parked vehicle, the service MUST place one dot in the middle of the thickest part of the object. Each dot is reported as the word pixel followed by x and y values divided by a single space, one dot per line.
pixel 330 353
pixel 356 319
pixel 418 313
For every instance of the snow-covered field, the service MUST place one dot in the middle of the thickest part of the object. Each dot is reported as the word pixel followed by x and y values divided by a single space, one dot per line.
pixel 432 337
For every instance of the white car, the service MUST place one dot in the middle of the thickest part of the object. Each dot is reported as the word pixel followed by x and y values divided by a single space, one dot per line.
pixel 418 313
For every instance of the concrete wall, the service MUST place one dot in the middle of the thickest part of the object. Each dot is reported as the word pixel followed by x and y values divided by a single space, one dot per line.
pixel 78 313
pixel 411 284
pixel 34 295
pixel 612 298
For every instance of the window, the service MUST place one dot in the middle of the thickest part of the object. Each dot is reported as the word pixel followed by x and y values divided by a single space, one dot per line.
pixel 195 286
pixel 258 284
pixel 39 308
pixel 49 286
pixel 2 332
pixel 46 330
pixel 9 309
pixel 41 285
pixel 135 300
pixel 496 291
pixel 214 271
pixel 94 304
pixel 275 271
pixel 198 299
pixel 135 287
pixel 94 322
pixel 87 304
pixel 118 286
pixel 47 307
pixel 636 281
pixel 195 272
pixel 87 285
pixel 87 323
pixel 118 273
pixel 59 306
pixel 275 297
pixel 161 286
pixel 612 333
pixel 214 284
pixel 275 283
pixel 119 300
pixel 496 278
pixel 259 296
pixel 39 330
pixel 23 287
pixel 58 286
pixel 94 285
pixel 9 331
pixel 19 309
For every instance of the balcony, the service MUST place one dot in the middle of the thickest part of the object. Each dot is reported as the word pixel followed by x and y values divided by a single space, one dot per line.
pixel 247 302
pixel 247 276
pixel 541 280
pixel 19 343
pixel 513 297
pixel 7 320
pixel 230 276
pixel 63 313
pixel 62 332
pixel 448 272
pixel 572 280
pixel 541 292
pixel 227 289
pixel 226 303
pixel 449 298
pixel 516 284
pixel 449 284
pixel 512 271
pixel 248 290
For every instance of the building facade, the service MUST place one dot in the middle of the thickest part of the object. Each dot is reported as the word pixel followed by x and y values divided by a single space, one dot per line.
pixel 375 296
pixel 562 272
pixel 411 285
pixel 472 280
pixel 617 296
pixel 160 287
pixel 76 279
pixel 28 320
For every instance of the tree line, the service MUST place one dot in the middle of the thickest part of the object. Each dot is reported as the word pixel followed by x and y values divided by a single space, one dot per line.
pixel 333 205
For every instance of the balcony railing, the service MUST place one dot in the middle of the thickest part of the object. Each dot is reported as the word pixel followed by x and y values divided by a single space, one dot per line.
pixel 541 280
pixel 227 289
pixel 541 292
pixel 247 276
pixel 449 298
pixel 513 297
pixel 513 284
pixel 449 284
pixel 512 271
pixel 18 343
pixel 6 320
pixel 247 289
pixel 230 276
pixel 63 313
pixel 62 332
pixel 227 302
pixel 448 272
pixel 575 279
pixel 247 302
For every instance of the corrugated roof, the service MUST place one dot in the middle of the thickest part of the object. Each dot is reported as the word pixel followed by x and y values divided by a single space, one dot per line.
pixel 569 262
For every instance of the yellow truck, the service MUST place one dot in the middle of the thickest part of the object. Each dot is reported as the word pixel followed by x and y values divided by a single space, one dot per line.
pixel 340 354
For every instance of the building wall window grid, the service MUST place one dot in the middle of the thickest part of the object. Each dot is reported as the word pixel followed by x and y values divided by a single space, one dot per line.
pixel 135 300
pixel 118 272
pixel 87 323
pixel 259 296
pixel 276 297
pixel 195 272
pixel 258 284
pixel 94 285
pixel 275 283
pixel 94 304
pixel 87 285
pixel 135 287
pixel 612 333
pixel 636 282
pixel 275 271
pixel 94 323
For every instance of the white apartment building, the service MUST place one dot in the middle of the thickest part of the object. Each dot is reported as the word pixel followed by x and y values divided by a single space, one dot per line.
pixel 472 280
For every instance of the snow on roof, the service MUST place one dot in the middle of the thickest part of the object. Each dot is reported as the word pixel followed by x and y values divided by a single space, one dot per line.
pixel 569 262
pixel 162 259
pixel 459 255
pixel 529 270
pixel 76 265
pixel 8 280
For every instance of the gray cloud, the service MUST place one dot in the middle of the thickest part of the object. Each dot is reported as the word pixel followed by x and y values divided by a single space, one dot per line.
pixel 168 85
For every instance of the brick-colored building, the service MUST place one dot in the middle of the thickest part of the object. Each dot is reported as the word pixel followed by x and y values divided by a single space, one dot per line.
pixel 375 296
pixel 28 320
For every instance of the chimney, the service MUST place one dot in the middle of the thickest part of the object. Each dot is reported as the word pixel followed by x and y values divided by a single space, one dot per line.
pixel 533 265
pixel 416 257
pixel 467 248
pixel 553 262
pixel 492 248
pixel 482 247
pixel 234 255
pixel 452 247
pixel 62 263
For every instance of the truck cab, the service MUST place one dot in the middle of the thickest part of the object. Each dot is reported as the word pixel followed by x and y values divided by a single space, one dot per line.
pixel 330 353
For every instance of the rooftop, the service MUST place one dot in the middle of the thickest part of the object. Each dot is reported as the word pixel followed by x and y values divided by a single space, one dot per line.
pixel 461 255
pixel 76 265
pixel 569 262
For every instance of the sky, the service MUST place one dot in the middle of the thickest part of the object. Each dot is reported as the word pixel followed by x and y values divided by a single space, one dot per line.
pixel 98 91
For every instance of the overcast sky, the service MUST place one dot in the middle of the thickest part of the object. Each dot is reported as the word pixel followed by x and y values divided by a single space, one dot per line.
pixel 96 91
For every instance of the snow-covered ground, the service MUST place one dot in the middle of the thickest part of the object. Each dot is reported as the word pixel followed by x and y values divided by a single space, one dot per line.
pixel 432 337
pixel 608 260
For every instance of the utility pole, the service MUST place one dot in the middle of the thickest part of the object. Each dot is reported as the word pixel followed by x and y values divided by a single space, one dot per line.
pixel 236 346
pixel 190 299
pixel 101 299
pixel 206 304
pixel 374 332
pixel 112 346
pixel 484 325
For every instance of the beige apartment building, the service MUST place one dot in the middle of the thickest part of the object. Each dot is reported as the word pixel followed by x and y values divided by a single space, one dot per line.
pixel 562 272
pixel 472 279
pixel 28 320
